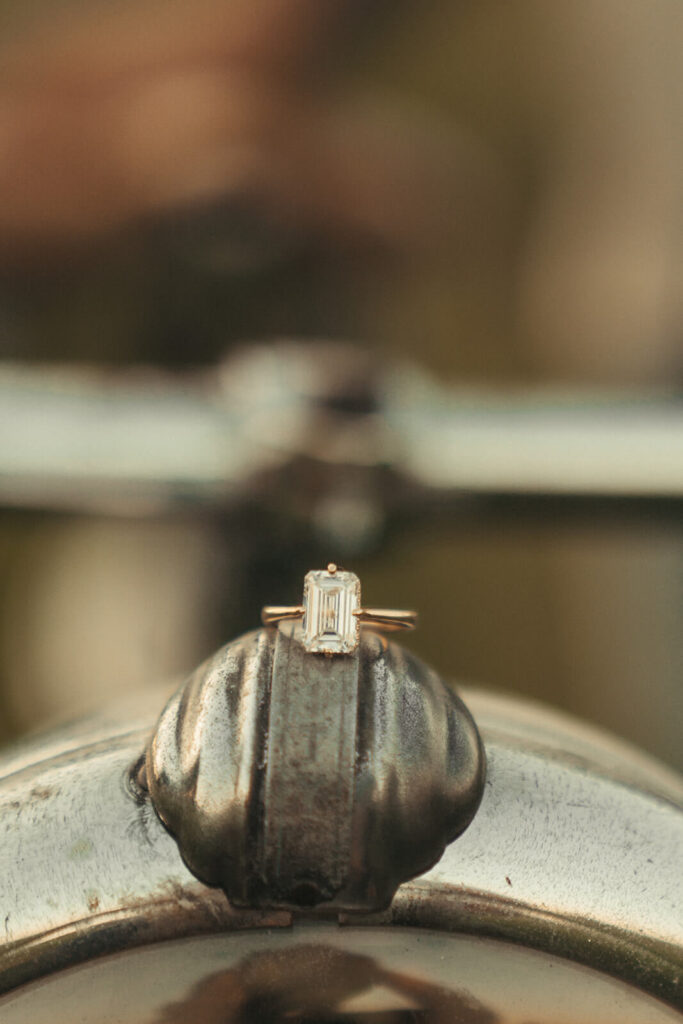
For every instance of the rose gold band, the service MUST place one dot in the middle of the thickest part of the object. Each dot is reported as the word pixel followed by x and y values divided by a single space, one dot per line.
pixel 387 619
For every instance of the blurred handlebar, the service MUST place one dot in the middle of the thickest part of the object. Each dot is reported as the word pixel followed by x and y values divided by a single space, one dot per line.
pixel 140 441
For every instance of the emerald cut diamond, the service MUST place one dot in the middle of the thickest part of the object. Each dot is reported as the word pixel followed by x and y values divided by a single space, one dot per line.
pixel 330 599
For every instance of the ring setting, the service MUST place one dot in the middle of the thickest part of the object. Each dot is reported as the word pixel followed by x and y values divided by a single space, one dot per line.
pixel 332 613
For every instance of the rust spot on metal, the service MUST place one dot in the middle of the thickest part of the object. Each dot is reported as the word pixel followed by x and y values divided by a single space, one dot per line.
pixel 43 792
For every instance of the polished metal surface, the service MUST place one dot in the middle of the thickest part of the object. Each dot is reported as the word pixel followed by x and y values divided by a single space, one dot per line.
pixel 322 974
pixel 141 441
pixel 575 851
pixel 296 780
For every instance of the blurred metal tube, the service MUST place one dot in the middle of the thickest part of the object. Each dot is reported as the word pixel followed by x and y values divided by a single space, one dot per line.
pixel 140 442
pixel 543 443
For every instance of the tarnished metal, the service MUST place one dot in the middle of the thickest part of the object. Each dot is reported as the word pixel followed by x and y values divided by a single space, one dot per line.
pixel 295 780
pixel 574 852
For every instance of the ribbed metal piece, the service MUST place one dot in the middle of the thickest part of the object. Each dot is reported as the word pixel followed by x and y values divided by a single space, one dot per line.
pixel 296 780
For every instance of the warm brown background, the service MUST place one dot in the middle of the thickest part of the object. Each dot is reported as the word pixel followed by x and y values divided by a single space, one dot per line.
pixel 491 189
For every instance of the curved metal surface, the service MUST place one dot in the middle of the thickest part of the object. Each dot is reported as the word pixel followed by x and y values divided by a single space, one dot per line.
pixel 321 974
pixel 292 779
pixel 575 851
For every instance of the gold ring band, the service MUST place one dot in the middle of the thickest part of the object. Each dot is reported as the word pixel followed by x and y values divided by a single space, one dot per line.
pixel 274 613
pixel 390 620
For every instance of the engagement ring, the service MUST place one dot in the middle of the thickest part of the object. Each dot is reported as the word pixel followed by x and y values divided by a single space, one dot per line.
pixel 332 614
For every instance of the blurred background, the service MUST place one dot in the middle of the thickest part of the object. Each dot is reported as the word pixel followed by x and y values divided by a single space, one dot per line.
pixel 488 190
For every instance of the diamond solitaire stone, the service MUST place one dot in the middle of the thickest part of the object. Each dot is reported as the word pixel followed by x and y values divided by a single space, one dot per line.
pixel 330 599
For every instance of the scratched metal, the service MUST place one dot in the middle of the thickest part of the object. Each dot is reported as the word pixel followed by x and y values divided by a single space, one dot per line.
pixel 294 780
pixel 309 786
pixel 575 851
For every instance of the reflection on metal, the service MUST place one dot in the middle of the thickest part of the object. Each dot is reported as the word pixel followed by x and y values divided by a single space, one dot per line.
pixel 141 441
pixel 574 851
pixel 321 974
pixel 296 780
